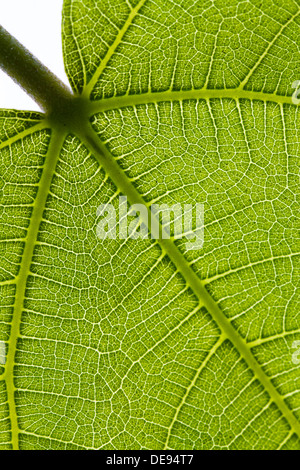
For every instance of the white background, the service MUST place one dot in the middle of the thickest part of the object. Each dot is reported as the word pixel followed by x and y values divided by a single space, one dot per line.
pixel 37 25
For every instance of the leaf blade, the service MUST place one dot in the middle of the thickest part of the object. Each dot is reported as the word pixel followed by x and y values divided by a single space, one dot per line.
pixel 108 375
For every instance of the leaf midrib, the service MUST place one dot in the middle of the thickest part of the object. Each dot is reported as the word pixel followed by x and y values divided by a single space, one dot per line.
pixel 56 141
pixel 117 102
pixel 133 12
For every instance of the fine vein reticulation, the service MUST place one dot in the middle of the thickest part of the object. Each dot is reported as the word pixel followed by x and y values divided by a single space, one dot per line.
pixel 139 344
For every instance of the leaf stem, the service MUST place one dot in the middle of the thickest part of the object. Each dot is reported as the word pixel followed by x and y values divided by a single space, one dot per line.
pixel 27 71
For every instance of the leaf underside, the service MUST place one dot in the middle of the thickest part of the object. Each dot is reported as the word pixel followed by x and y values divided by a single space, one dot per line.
pixel 133 344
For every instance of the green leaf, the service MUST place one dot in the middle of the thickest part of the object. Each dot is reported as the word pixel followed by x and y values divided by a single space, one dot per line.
pixel 142 343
